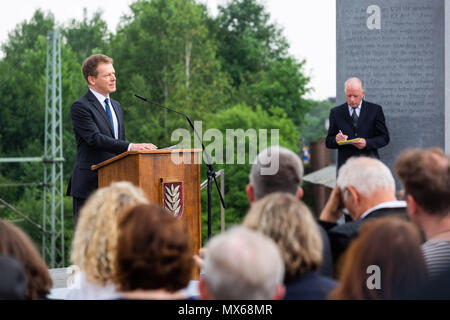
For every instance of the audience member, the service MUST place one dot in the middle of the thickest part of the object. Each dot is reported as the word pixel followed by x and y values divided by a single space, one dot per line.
pixel 242 264
pixel 366 187
pixel 290 224
pixel 12 279
pixel 154 255
pixel 277 169
pixel 95 241
pixel 15 243
pixel 438 288
pixel 385 262
pixel 425 175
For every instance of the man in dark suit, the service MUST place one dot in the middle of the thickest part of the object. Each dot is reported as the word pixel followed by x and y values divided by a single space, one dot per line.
pixel 366 188
pixel 356 119
pixel 97 122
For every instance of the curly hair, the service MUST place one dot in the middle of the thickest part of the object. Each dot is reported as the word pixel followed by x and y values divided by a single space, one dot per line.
pixel 14 242
pixel 290 224
pixel 153 252
pixel 95 241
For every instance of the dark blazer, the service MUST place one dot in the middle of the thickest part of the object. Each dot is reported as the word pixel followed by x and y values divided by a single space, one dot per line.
pixel 341 235
pixel 95 142
pixel 326 269
pixel 371 126
pixel 310 286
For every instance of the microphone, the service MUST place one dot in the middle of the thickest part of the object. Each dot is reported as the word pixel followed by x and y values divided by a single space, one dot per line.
pixel 157 104
pixel 208 158
pixel 211 174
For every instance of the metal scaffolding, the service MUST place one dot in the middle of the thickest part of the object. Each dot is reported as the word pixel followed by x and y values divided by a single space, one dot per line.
pixel 53 207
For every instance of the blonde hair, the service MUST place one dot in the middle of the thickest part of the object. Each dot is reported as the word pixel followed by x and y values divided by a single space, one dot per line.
pixel 290 224
pixel 95 241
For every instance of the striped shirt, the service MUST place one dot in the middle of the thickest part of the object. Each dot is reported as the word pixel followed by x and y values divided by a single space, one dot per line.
pixel 437 256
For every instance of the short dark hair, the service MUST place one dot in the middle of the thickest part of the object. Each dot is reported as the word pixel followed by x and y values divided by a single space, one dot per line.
pixel 153 250
pixel 425 175
pixel 287 179
pixel 89 66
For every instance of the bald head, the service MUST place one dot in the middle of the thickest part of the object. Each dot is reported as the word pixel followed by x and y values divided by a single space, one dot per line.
pixel 354 83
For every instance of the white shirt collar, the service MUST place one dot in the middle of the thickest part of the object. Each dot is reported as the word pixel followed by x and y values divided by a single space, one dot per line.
pixel 384 205
pixel 358 109
pixel 101 98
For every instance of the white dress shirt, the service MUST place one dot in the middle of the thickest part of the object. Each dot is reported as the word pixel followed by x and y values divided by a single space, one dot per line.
pixel 358 110
pixel 385 205
pixel 101 98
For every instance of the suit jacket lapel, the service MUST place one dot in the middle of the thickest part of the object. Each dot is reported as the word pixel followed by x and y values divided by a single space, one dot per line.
pixel 346 114
pixel 116 111
pixel 347 119
pixel 363 112
pixel 96 104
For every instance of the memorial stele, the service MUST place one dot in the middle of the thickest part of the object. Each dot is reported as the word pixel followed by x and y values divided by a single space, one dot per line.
pixel 400 49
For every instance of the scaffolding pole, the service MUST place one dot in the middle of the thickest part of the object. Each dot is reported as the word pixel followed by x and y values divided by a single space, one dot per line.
pixel 53 197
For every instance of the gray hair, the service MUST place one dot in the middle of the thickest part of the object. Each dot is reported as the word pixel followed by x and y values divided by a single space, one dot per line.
pixel 288 177
pixel 242 264
pixel 353 79
pixel 366 175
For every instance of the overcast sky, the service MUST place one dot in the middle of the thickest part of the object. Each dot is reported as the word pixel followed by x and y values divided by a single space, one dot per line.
pixel 309 26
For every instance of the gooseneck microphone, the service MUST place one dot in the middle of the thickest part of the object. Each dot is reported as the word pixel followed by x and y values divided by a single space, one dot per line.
pixel 208 158
pixel 211 174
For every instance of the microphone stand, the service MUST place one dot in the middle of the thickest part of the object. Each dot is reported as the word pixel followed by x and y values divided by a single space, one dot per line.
pixel 211 173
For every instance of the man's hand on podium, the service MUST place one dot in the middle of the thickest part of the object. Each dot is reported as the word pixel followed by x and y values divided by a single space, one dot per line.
pixel 142 147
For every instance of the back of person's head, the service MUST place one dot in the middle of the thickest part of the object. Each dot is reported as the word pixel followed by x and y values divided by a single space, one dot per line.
pixel 366 175
pixel 12 279
pixel 276 169
pixel 242 264
pixel 15 243
pixel 425 175
pixel 288 222
pixel 154 250
pixel 384 262
pixel 95 240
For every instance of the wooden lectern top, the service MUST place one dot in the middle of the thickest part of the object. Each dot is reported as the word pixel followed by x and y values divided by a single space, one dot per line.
pixel 124 154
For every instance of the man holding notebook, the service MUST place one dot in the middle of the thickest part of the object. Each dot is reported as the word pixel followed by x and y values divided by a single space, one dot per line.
pixel 357 127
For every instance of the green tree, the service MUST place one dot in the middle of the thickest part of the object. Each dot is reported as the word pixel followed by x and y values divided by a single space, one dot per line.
pixel 247 41
pixel 313 127
pixel 255 54
pixel 243 117
pixel 166 51
pixel 87 35
pixel 23 78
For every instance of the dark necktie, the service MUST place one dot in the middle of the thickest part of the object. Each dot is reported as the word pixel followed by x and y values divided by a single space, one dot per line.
pixel 109 113
pixel 355 119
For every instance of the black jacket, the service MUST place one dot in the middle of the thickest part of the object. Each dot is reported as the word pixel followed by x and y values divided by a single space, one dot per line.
pixel 342 235
pixel 95 142
pixel 371 126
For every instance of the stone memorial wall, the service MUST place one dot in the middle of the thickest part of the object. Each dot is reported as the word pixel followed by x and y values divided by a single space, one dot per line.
pixel 398 49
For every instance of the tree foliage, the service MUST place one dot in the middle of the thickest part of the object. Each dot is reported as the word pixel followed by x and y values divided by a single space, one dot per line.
pixel 233 71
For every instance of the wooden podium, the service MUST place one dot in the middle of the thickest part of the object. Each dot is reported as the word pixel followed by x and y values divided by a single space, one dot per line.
pixel 168 177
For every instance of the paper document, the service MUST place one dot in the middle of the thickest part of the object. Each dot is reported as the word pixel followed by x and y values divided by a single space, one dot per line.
pixel 341 143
